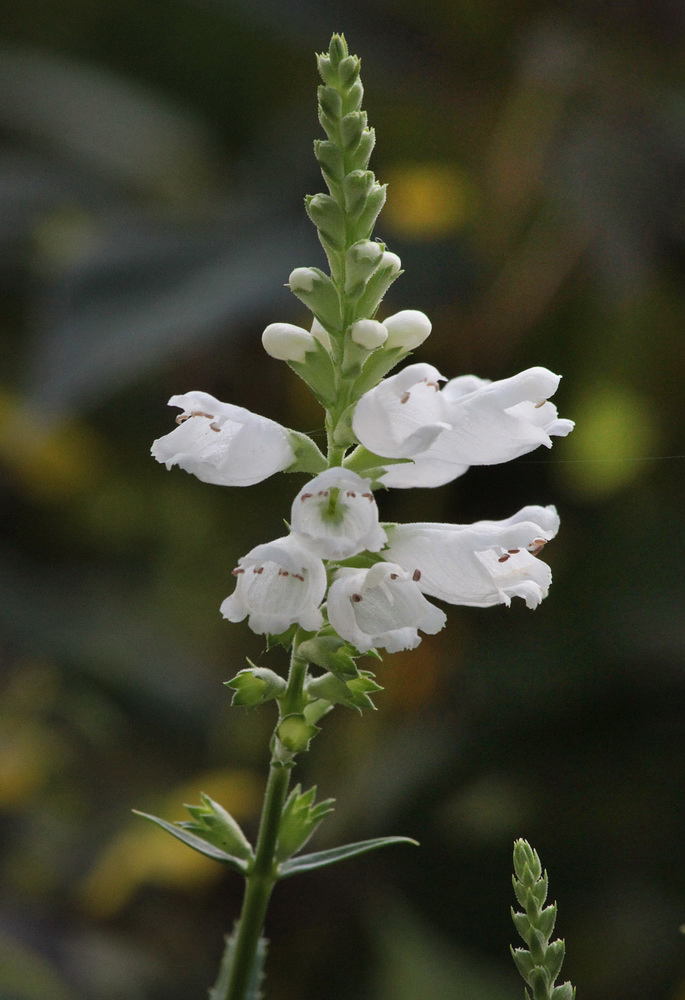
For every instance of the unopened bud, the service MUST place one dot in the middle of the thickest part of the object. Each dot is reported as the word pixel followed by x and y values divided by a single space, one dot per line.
pixel 302 279
pixel 363 258
pixel 295 732
pixel 407 329
pixel 368 333
pixel 287 342
pixel 256 685
pixel 319 333
pixel 392 261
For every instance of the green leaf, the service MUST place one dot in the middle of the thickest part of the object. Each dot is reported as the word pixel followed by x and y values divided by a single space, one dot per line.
pixel 309 862
pixel 197 843
pixel 308 457
pixel 254 992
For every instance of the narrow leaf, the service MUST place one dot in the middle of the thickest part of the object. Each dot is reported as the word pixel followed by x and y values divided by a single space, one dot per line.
pixel 309 862
pixel 197 843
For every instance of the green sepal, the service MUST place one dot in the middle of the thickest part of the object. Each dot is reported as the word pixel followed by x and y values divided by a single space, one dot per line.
pixel 330 652
pixel 357 186
pixel 213 823
pixel 554 958
pixel 376 287
pixel 318 371
pixel 198 844
pixel 371 466
pixel 220 990
pixel 310 862
pixel 300 818
pixel 308 457
pixel 523 961
pixel 365 560
pixel 547 920
pixel 353 693
pixel 373 207
pixel 352 128
pixel 295 733
pixel 284 639
pixel 254 685
pixel 377 366
pixel 564 992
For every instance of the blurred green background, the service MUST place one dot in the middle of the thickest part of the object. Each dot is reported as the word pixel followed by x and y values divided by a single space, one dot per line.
pixel 153 161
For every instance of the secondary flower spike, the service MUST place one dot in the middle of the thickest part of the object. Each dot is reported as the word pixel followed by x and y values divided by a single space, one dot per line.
pixel 337 515
pixel 223 444
pixel 382 606
pixel 470 421
pixel 479 564
pixel 278 584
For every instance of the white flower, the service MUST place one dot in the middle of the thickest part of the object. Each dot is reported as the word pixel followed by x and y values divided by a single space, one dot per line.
pixel 321 334
pixel 223 444
pixel 479 564
pixel 368 333
pixel 337 515
pixel 470 421
pixel 407 329
pixel 287 342
pixel 381 606
pixel 278 584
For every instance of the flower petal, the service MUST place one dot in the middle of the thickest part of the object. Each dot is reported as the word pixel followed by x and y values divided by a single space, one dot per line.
pixel 223 444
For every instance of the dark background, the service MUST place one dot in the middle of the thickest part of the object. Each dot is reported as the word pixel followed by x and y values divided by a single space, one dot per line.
pixel 153 161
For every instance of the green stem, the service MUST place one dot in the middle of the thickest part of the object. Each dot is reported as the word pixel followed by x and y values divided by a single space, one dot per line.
pixel 260 883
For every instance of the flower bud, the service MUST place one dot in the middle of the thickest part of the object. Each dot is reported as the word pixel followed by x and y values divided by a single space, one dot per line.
pixel 407 329
pixel 287 342
pixel 318 293
pixel 368 333
pixel 295 732
pixel 363 258
pixel 302 279
pixel 328 218
pixel 256 685
pixel 392 261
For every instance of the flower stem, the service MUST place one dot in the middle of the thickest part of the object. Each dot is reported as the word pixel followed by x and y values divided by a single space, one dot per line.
pixel 260 883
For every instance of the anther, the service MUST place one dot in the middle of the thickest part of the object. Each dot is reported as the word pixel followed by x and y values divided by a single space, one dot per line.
pixel 369 496
pixel 405 397
pixel 513 552
pixel 350 494
pixel 356 598
pixel 214 428
pixel 182 417
pixel 541 403
pixel 503 558
pixel 237 571
pixel 416 575
pixel 298 576
pixel 258 570
pixel 283 572
pixel 394 576
pixel 306 496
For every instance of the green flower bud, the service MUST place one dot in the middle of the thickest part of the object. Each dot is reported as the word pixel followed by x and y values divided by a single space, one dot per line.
pixel 255 685
pixel 299 820
pixel 352 128
pixel 330 652
pixel 330 160
pixel 389 268
pixel 357 187
pixel 348 71
pixel 295 733
pixel 328 218
pixel 330 102
pixel 353 693
pixel 363 152
pixel 214 824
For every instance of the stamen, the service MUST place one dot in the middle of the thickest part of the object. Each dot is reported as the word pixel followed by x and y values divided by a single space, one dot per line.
pixel 356 598
pixel 213 427
pixel 416 575
pixel 298 576
pixel 512 552
pixel 369 496
pixel 182 417
pixel 394 576
pixel 237 571
pixel 503 558
pixel 537 545
pixel 322 493
pixel 405 397
pixel 306 496
pixel 542 403
pixel 258 570
pixel 283 572
pixel 350 494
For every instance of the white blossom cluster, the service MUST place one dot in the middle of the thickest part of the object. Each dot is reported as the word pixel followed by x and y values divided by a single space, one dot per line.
pixel 438 428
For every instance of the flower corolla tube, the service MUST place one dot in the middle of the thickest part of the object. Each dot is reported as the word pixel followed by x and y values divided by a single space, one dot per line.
pixel 223 444
pixel 469 421
pixel 480 564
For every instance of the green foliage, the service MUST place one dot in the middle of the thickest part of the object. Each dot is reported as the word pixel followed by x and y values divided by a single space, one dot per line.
pixel 539 964
pixel 255 685
pixel 236 862
pixel 321 859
